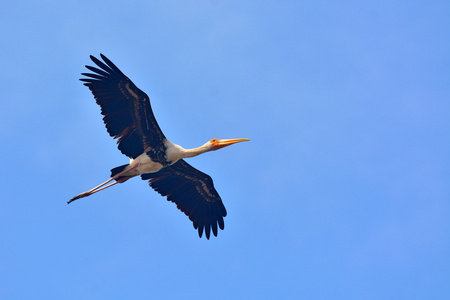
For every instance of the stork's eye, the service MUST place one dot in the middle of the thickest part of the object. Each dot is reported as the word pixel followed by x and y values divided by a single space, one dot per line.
pixel 213 141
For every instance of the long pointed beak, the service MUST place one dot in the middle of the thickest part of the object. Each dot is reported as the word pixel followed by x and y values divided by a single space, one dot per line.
pixel 217 144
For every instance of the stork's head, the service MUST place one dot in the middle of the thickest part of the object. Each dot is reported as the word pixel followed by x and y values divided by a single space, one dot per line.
pixel 218 143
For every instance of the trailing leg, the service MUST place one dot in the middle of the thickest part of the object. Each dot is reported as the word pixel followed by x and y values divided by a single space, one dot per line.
pixel 116 174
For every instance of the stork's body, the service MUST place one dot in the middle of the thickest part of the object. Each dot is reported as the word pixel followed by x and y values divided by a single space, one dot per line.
pixel 145 164
pixel 128 117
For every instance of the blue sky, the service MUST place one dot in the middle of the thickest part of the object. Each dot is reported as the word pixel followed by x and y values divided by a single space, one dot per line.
pixel 342 193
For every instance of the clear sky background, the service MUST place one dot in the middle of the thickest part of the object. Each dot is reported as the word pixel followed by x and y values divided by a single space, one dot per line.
pixel 342 193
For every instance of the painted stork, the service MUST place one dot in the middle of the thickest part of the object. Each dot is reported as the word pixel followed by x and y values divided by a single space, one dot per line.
pixel 128 117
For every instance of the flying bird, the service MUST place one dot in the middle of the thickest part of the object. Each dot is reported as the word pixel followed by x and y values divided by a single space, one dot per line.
pixel 128 117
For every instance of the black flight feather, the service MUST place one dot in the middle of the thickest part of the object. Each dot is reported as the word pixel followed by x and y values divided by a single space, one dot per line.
pixel 127 113
pixel 194 194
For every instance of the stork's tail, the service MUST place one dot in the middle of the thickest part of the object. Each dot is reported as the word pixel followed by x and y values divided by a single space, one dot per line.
pixel 117 170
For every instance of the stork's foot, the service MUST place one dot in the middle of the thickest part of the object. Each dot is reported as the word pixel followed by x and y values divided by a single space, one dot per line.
pixel 82 195
pixel 94 190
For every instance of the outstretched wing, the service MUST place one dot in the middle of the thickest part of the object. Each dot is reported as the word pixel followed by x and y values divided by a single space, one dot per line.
pixel 194 194
pixel 126 109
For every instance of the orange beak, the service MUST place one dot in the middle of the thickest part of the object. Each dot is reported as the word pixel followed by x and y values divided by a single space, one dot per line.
pixel 217 143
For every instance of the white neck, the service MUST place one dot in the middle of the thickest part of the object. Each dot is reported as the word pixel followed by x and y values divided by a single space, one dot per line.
pixel 196 151
pixel 176 152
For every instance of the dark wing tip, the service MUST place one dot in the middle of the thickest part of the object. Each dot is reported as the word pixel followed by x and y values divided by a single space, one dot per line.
pixel 221 223
pixel 214 228
pixel 111 64
pixel 207 231
pixel 200 232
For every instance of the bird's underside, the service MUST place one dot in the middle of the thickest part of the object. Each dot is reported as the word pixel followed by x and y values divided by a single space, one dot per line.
pixel 128 117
